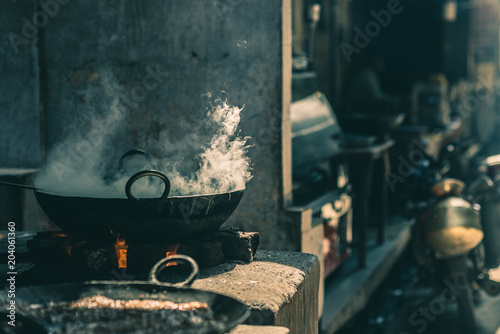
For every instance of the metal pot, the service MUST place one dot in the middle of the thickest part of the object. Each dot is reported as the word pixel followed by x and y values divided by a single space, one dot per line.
pixel 452 227
pixel 150 219
pixel 227 312
pixel 138 219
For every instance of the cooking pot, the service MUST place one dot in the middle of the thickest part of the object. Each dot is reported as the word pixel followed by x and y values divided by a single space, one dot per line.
pixel 46 308
pixel 452 227
pixel 138 219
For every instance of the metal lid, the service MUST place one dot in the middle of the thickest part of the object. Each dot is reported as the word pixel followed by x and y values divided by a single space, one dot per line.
pixel 448 187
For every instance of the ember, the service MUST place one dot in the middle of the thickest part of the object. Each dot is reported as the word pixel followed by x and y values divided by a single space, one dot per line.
pixel 99 301
pixel 132 316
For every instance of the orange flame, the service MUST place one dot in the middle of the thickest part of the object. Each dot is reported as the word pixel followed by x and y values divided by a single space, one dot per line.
pixel 172 251
pixel 121 252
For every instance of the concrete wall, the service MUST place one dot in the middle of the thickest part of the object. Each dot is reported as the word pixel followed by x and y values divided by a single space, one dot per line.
pixel 235 46
pixel 20 136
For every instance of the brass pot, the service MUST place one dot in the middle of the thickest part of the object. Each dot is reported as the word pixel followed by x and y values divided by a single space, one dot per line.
pixel 452 227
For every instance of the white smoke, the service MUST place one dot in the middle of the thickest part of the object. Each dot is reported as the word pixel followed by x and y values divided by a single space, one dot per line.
pixel 210 158
pixel 223 165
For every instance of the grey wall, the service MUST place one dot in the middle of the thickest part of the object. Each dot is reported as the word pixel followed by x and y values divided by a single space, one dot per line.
pixel 20 137
pixel 201 46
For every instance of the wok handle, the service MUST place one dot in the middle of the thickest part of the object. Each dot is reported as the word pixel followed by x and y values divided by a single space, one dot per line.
pixel 161 265
pixel 18 185
pixel 137 176
pixel 121 162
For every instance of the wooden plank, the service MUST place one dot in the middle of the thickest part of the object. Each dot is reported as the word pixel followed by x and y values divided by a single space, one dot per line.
pixel 286 123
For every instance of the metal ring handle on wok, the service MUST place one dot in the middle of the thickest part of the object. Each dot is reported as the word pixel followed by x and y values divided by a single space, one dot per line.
pixel 161 265
pixel 137 176
pixel 136 151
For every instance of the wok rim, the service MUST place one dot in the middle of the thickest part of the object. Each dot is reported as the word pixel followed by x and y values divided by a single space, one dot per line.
pixel 45 192
pixel 239 317
pixel 163 217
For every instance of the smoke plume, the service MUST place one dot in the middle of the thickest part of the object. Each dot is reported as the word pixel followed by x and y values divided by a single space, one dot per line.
pixel 210 158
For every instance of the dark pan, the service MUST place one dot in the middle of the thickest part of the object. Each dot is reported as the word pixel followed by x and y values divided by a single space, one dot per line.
pixel 163 219
pixel 138 220
pixel 228 311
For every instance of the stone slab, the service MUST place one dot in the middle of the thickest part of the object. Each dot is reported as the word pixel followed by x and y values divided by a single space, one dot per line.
pixel 281 288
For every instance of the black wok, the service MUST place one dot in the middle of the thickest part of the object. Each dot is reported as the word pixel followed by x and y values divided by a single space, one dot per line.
pixel 138 220
pixel 227 312
pixel 150 219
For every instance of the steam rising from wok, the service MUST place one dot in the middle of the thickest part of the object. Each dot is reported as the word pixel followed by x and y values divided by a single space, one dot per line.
pixel 210 158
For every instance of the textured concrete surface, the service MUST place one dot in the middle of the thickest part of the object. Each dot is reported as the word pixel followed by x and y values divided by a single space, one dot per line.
pixel 20 134
pixel 281 288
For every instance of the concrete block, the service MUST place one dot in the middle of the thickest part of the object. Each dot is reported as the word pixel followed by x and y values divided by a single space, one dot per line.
pixel 281 288
pixel 237 244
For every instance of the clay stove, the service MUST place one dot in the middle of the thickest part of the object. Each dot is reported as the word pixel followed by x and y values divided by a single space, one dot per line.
pixel 53 257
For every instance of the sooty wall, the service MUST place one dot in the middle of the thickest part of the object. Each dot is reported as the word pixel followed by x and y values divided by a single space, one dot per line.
pixel 159 59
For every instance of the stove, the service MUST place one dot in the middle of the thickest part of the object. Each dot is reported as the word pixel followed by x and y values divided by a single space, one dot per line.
pixel 54 257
